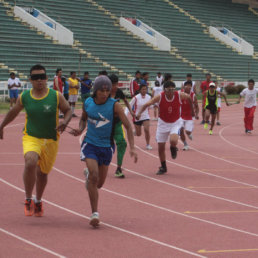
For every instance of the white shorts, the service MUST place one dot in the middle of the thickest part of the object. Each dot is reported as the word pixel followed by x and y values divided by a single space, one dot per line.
pixel 188 125
pixel 73 98
pixel 165 129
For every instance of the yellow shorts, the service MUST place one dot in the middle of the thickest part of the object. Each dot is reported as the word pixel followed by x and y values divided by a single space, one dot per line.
pixel 46 149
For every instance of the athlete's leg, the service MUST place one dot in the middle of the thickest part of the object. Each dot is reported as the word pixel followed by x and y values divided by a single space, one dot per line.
pixel 173 139
pixel 213 118
pixel 162 153
pixel 93 178
pixel 103 169
pixel 155 111
pixel 146 127
pixel 251 117
pixel 41 182
pixel 182 135
pixel 138 130
pixel 29 175
pixel 218 116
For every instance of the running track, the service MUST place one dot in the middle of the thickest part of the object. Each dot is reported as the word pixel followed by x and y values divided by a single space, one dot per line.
pixel 205 206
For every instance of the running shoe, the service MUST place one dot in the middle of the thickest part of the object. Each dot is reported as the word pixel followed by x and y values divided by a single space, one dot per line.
pixel 161 171
pixel 186 147
pixel 210 132
pixel 190 136
pixel 29 207
pixel 119 173
pixel 205 126
pixel 249 132
pixel 173 151
pixel 148 147
pixel 218 123
pixel 38 209
pixel 202 122
pixel 86 174
pixel 94 220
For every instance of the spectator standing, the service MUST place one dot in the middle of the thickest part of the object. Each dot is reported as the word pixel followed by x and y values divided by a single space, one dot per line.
pixel 58 83
pixel 13 85
pixel 86 85
pixel 204 87
pixel 159 78
pixel 73 91
pixel 66 88
pixel 135 84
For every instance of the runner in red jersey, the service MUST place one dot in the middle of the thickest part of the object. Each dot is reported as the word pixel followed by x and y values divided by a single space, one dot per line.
pixel 169 121
pixel 204 87
pixel 186 114
pixel 58 83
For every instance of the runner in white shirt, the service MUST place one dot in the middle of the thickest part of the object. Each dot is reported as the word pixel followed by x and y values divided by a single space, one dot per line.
pixel 144 120
pixel 157 89
pixel 249 105
pixel 189 78
pixel 219 89
pixel 13 85
pixel 159 78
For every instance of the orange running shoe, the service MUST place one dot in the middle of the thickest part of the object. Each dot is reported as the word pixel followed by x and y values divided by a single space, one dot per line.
pixel 29 207
pixel 38 209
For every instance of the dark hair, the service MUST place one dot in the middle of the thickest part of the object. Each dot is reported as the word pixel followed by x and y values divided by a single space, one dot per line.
pixel 58 70
pixel 157 83
pixel 145 73
pixel 71 73
pixel 113 78
pixel 37 67
pixel 143 85
pixel 169 84
pixel 167 77
pixel 251 81
pixel 189 82
pixel 86 73
pixel 158 72
pixel 63 78
pixel 137 72
pixel 207 74
pixel 103 72
pixel 189 75
pixel 12 73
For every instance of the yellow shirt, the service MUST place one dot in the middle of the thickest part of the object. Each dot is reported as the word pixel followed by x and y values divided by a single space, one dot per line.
pixel 73 91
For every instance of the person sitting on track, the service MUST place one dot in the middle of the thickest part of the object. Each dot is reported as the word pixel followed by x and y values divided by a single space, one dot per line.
pixel 41 134
pixel 119 135
pixel 144 119
pixel 97 147
pixel 169 121
pixel 211 105
pixel 186 114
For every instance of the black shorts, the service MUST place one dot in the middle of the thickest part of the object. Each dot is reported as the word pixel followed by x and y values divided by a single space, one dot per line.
pixel 140 122
pixel 213 109
pixel 66 95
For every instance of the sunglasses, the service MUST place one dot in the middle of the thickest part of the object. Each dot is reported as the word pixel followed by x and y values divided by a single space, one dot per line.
pixel 40 76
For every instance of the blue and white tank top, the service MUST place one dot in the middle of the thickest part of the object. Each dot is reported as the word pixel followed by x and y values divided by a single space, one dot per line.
pixel 100 122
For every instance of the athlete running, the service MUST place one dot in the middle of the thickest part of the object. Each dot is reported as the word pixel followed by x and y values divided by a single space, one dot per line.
pixel 169 121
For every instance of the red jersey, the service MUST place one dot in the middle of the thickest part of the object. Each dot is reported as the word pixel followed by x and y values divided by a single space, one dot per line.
pixel 60 84
pixel 134 87
pixel 170 110
pixel 186 111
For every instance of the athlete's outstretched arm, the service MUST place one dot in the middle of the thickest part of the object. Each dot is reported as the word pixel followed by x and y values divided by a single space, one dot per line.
pixel 66 110
pixel 154 100
pixel 10 116
pixel 82 123
pixel 224 96
pixel 119 112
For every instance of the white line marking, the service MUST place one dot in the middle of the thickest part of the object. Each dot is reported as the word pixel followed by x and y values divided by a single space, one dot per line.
pixel 31 243
pixel 161 208
pixel 109 225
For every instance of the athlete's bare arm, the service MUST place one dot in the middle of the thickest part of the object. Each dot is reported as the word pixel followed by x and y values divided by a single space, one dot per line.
pixel 196 107
pixel 82 123
pixel 154 100
pixel 119 112
pixel 224 96
pixel 10 116
pixel 129 107
pixel 66 110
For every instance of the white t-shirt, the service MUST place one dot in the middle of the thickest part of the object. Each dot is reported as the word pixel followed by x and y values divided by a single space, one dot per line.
pixel 250 97
pixel 157 90
pixel 12 81
pixel 159 79
pixel 219 98
pixel 193 85
pixel 137 102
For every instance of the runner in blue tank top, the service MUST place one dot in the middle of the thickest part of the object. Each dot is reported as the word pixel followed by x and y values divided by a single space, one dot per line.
pixel 97 148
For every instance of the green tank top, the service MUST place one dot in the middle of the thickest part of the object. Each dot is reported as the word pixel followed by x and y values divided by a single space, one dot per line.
pixel 41 114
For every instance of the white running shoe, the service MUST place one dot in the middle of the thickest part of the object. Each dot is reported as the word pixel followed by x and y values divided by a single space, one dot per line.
pixel 186 147
pixel 190 136
pixel 86 174
pixel 148 147
pixel 94 219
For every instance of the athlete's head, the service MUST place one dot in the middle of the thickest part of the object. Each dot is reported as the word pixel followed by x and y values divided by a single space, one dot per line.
pixel 103 72
pixel 169 88
pixel 101 88
pixel 145 76
pixel 212 87
pixel 59 72
pixel 86 76
pixel 159 74
pixel 12 75
pixel 189 77
pixel 143 89
pixel 38 77
pixel 73 74
pixel 188 86
pixel 137 74
pixel 157 83
pixel 114 79
pixel 167 77
pixel 251 84
pixel 208 77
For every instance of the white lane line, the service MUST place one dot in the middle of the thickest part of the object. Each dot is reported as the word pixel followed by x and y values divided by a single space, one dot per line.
pixel 160 207
pixel 229 142
pixel 200 171
pixel 109 225
pixel 31 243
